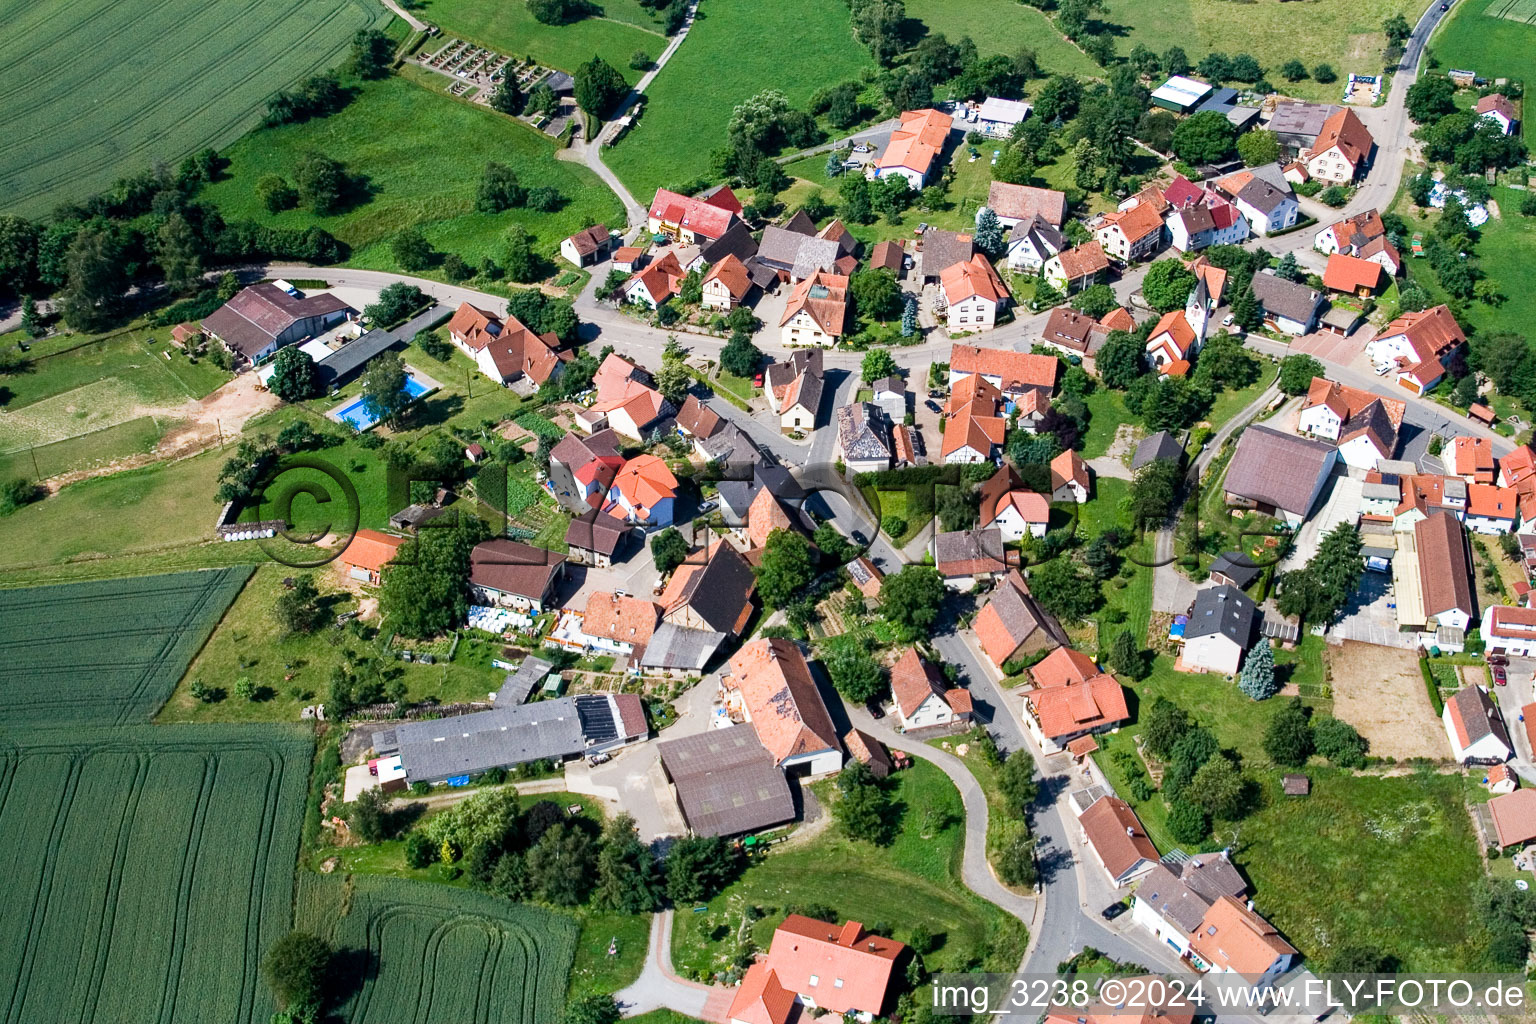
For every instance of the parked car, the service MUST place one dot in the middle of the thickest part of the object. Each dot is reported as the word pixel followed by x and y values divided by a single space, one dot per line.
pixel 757 379
pixel 708 506
pixel 1228 320
pixel 1500 675
pixel 933 406
pixel 875 710
pixel 1113 911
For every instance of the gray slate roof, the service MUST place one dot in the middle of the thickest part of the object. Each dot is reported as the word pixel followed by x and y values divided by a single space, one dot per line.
pixel 468 744
pixel 1279 469
pixel 1161 445
pixel 678 647
pixel 1237 567
pixel 518 685
pixel 1289 299
pixel 1479 716
pixel 727 782
pixel 1225 610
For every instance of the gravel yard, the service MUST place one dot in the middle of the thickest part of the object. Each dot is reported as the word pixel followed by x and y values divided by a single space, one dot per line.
pixel 1380 692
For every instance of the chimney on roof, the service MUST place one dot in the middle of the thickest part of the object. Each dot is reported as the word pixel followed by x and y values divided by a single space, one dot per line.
pixel 1130 831
pixel 1250 906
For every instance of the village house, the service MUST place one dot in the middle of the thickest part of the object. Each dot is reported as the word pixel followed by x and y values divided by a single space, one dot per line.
pixel 1172 900
pixel 1071 698
pixel 264 317
pixel 695 420
pixel 1031 243
pixel 816 311
pixel 643 492
pixel 1342 150
pixel 1364 426
pixel 1510 631
pixel 1178 335
pixel 915 147
pixel 367 553
pixel 1513 814
pixel 610 622
pixel 1442 600
pixel 1071 331
pixel 1006 505
pixel 890 256
pixel 1221 628
pixel 1351 275
pixel 1021 204
pixel 1012 625
pixel 629 258
pixel 712 591
pixel 940 249
pixel 1232 939
pixel 1363 236
pixel 1418 346
pixel 1199 217
pixel 595 539
pixel 997 116
pixel 1475 728
pixel 587 246
pixel 863 442
pixel 770 685
pixel 794 252
pixel 1263 196
pixel 1014 374
pixel 965 557
pixel 973 427
pixel 1497 108
pixel 506 573
pixel 923 698
pixel 1472 459
pixel 1290 307
pixel 727 284
pixel 582 469
pixel 1278 474
pixel 973 295
pixel 505 350
pixel 693 221
pixel 1135 230
pixel 627 399
pixel 656 283
pixel 794 389
pixel 1072 270
pixel 1069 478
pixel 1119 842
pixel 825 967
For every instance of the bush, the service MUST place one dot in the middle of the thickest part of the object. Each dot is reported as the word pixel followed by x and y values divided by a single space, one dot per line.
pixel 1187 823
pixel 1324 73
pixel 1431 686
pixel 893 526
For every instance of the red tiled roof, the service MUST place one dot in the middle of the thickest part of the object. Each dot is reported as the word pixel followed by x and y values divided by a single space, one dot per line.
pixel 1431 332
pixel 781 698
pixel 1236 939
pixel 1346 131
pixel 1077 707
pixel 1083 260
pixel 761 999
pixel 1017 370
pixel 975 277
pixel 1514 816
pixel 732 273
pixel 1063 666
pixel 1496 103
pixel 371 550
pixel 842 967
pixel 1351 273
pixel 918 141
pixel 914 680
pixel 1117 835
pixel 1137 222
pixel 702 217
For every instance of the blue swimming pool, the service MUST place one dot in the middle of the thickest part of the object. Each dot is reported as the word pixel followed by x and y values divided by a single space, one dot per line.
pixel 355 414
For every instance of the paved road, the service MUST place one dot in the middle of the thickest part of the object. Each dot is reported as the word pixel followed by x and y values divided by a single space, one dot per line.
pixel 659 987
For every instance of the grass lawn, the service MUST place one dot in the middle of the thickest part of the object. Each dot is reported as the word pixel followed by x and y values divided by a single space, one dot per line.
pixel 894 503
pixel 69 134
pixel 1002 26
pixel 423 153
pixel 1106 411
pixel 735 50
pixel 1229 403
pixel 1494 47
pixel 1338 32
pixel 250 643
pixel 913 882
pixel 1381 862
pixel 509 27
pixel 594 971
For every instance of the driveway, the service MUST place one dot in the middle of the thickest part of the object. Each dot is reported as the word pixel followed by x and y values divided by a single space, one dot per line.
pixel 1372 615
pixel 659 987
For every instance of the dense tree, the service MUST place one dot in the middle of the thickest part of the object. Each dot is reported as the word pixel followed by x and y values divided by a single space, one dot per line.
pixel 594 1009
pixel 786 569
pixel 1172 403
pixel 1195 747
pixel 1296 373
pixel 910 599
pixel 1174 61
pixel 1258 676
pixel 879 25
pixel 854 673
pixel 1397 29
pixel 1288 737
pixel 1127 657
pixel 1292 70
pixel 1203 138
pixel 1244 67
pixel 672 379
pixel 499 189
pixel 909 317
pixel 559 12
pixel 179 254
pixel 698 867
pixel 1219 788
pixel 294 377
pixel 1324 73
pixel 740 357
pixel 562 865
pixel 863 810
pixel 1507 360
pixel 1096 300
pixel 1167 285
pixel 1016 781
pixel 1338 741
pixel 323 183
pixel 1065 590
pixel 958 508
pixel 878 363
pixel 411 250
pixel 372 53
pixel 1122 359
pixel 384 393
pixel 517 256
pixel 599 87
pixel 507 98
pixel 368 816
pixel 18 255
pixel 1162 726
pixel 1318 591
pixel 95 279
pixel 669 549
pixel 298 608
pixel 876 294
pixel 1430 98
pixel 1187 822
pixel 1258 147
pixel 295 968
pixel 1155 493
pixel 426 592
pixel 627 881
pixel 275 193
pixel 989 233
pixel 1225 364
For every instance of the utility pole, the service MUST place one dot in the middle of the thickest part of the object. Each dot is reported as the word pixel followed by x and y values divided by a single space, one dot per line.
pixel 35 471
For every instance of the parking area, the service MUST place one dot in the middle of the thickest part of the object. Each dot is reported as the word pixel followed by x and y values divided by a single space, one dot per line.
pixel 1331 348
pixel 1372 615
